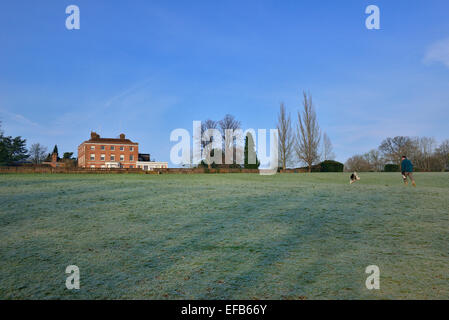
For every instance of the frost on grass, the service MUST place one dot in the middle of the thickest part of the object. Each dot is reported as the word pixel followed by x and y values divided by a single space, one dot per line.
pixel 234 236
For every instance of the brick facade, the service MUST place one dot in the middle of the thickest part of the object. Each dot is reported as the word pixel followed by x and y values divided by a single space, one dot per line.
pixel 108 153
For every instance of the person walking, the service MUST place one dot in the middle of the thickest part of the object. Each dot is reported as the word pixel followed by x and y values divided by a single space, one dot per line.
pixel 407 170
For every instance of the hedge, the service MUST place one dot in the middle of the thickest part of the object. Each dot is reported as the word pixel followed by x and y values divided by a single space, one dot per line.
pixel 390 167
pixel 331 166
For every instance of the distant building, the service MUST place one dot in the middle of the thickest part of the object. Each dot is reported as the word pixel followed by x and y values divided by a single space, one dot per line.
pixel 144 157
pixel 54 161
pixel 108 152
pixel 114 153
pixel 144 162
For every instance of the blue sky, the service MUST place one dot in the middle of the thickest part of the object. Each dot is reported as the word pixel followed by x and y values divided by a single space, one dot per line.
pixel 146 68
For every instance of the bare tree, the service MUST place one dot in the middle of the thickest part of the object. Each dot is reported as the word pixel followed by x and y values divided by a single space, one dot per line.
pixel 425 148
pixel 207 142
pixel 375 160
pixel 442 155
pixel 394 148
pixel 308 134
pixel 286 137
pixel 328 153
pixel 357 163
pixel 37 153
pixel 229 127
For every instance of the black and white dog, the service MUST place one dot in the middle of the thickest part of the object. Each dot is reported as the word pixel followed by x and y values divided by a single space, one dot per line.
pixel 354 177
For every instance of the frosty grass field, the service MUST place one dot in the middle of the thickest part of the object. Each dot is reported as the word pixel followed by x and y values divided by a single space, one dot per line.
pixel 224 236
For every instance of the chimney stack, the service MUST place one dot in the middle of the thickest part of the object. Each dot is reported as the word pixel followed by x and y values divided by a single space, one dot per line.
pixel 94 135
pixel 122 136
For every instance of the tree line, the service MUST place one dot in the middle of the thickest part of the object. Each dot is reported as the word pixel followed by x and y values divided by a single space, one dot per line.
pixel 300 143
pixel 228 152
pixel 425 153
pixel 13 151
pixel 303 143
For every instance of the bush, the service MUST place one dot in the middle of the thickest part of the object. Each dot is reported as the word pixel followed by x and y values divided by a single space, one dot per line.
pixel 390 167
pixel 331 166
pixel 315 168
pixel 202 164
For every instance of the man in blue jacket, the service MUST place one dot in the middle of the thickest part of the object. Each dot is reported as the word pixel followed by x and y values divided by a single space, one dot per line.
pixel 407 170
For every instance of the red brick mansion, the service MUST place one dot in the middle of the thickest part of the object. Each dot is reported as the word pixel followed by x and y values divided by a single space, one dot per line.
pixel 114 153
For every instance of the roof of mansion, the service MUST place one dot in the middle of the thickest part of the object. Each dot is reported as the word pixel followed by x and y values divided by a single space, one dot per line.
pixel 95 138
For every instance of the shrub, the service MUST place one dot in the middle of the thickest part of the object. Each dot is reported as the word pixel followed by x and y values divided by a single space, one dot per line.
pixel 315 168
pixel 202 164
pixel 391 167
pixel 331 166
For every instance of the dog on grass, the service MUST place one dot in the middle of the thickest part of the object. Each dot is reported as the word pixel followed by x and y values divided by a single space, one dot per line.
pixel 353 178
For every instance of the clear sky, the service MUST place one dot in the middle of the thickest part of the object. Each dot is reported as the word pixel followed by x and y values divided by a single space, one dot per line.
pixel 147 67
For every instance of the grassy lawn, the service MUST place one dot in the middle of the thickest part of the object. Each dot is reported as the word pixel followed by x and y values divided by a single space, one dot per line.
pixel 224 236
